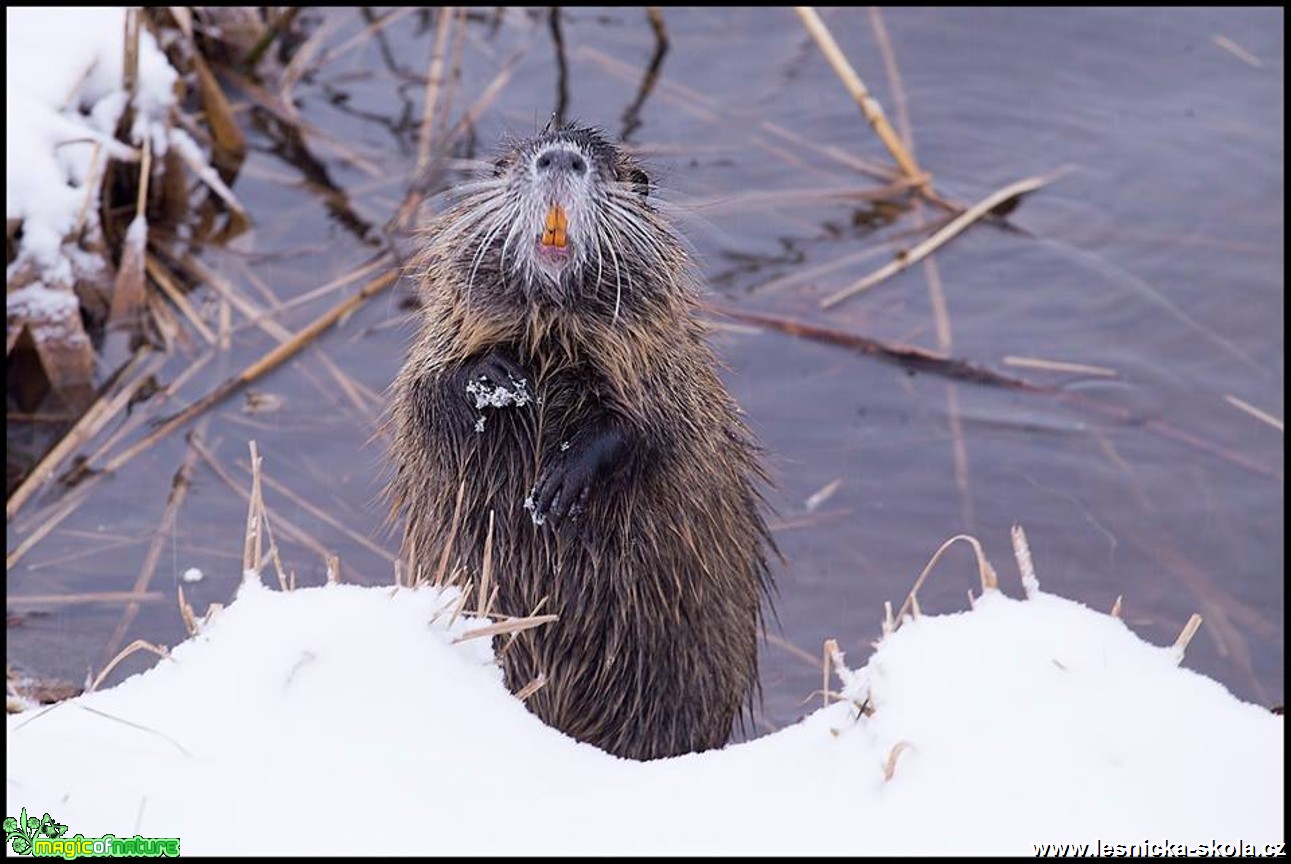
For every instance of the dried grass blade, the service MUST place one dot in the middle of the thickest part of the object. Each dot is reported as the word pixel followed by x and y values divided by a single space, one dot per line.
pixel 906 258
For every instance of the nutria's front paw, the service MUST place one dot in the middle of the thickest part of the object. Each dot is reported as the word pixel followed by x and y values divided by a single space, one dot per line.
pixel 566 482
pixel 495 380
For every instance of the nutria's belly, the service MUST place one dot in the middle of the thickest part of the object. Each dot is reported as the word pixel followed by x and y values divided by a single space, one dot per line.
pixel 653 650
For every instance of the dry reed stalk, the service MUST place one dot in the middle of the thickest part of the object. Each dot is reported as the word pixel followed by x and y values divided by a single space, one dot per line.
pixel 280 23
pixel 186 610
pixel 208 175
pixel 136 645
pixel 92 187
pixel 434 81
pixel 1236 50
pixel 302 58
pixel 333 570
pixel 890 767
pixel 362 398
pixel 105 715
pixel 906 258
pixel 452 532
pixel 226 135
pixel 533 613
pixel 532 687
pixel 823 494
pixel 323 516
pixel 1058 366
pixel 824 671
pixel 813 196
pixel 367 33
pixel 889 623
pixel 101 546
pixel 90 423
pixel 808 520
pixel 285 582
pixel 1185 636
pixel 1262 416
pixel 486 571
pixel 472 114
pixel 164 280
pixel 1022 552
pixel 134 421
pixel 255 370
pixel 461 603
pixel 129 297
pixel 1116 607
pixel 985 572
pixel 225 318
pixel 252 543
pixel 906 356
pixel 61 511
pixel 803 275
pixel 85 597
pixel 382 259
pixel 869 105
pixel 894 77
pixel 288 528
pixel 958 451
pixel 781 642
pixel 179 486
pixel 514 625
pixel 711 111
pixel 130 55
pixel 455 71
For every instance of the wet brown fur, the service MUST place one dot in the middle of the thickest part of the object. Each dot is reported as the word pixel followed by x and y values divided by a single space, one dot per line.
pixel 658 585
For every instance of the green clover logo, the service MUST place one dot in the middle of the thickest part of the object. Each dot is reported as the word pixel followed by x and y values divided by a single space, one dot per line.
pixel 51 829
pixel 23 831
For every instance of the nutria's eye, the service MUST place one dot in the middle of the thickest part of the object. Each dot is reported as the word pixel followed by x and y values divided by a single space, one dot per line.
pixel 640 182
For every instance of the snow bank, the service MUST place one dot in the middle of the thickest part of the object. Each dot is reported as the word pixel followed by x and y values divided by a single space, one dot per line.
pixel 345 720
pixel 63 96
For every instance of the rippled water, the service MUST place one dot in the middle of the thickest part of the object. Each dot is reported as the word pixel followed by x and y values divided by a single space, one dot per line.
pixel 1158 255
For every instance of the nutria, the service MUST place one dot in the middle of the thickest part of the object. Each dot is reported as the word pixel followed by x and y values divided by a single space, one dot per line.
pixel 562 381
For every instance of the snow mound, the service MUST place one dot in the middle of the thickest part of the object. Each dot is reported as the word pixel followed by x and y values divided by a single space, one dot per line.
pixel 344 719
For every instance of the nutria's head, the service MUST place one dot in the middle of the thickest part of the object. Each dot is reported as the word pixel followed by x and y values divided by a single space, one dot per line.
pixel 563 219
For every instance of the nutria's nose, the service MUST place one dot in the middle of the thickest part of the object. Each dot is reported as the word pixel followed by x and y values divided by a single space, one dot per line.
pixel 560 159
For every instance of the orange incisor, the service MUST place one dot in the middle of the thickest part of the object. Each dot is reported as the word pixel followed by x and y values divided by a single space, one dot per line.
pixel 553 232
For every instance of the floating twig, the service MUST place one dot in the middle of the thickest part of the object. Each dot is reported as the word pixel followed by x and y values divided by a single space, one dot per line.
pixel 905 258
pixel 84 597
pixel 1262 416
pixel 1059 366
pixel 94 419
pixel 179 486
pixel 264 365
pixel 906 356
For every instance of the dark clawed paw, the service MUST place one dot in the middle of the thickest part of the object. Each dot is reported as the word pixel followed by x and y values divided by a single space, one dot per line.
pixel 561 493
pixel 495 380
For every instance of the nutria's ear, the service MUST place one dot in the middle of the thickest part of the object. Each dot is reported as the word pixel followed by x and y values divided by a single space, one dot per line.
pixel 640 182
pixel 500 166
